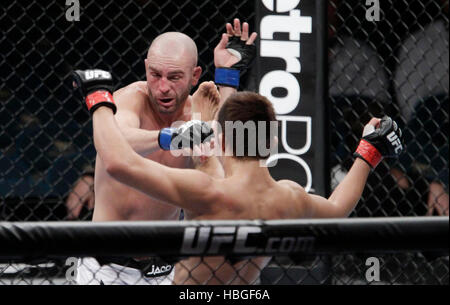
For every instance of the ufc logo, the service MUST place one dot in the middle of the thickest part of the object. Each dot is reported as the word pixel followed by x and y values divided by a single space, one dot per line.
pixel 210 240
pixel 91 74
pixel 395 141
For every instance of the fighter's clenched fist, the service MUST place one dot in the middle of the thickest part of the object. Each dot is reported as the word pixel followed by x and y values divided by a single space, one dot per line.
pixel 96 87
pixel 381 138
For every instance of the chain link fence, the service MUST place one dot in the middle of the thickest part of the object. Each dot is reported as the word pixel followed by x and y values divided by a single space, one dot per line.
pixel 396 66
pixel 46 134
pixel 394 269
pixel 400 250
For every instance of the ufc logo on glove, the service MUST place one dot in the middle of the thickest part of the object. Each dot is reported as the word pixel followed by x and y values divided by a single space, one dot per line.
pixel 395 141
pixel 93 74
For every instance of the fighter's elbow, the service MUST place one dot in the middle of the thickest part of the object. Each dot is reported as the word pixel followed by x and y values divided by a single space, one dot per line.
pixel 339 210
pixel 326 208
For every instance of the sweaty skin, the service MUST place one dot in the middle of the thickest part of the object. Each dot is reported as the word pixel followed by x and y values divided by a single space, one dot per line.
pixel 143 108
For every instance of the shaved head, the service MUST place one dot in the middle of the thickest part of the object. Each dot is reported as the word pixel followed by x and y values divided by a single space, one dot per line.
pixel 171 70
pixel 175 45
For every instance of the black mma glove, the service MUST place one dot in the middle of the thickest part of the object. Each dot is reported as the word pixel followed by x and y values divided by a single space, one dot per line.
pixel 384 141
pixel 96 87
pixel 186 136
pixel 246 54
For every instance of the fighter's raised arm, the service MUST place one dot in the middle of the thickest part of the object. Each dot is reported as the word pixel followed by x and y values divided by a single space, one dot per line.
pixel 380 139
pixel 233 56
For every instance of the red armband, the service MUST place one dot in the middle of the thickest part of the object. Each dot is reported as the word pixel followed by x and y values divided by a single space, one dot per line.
pixel 100 98
pixel 368 153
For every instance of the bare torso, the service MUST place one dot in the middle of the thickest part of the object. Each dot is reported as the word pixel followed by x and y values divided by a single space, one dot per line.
pixel 115 201
pixel 241 197
pixel 244 198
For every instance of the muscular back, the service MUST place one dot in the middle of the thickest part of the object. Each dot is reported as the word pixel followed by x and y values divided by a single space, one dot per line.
pixel 243 198
pixel 116 201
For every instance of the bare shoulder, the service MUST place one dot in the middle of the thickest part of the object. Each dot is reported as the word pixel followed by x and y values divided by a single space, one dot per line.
pixel 294 206
pixel 132 96
pixel 296 189
pixel 294 186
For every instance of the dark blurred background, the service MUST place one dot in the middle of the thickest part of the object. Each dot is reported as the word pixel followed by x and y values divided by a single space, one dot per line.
pixel 396 66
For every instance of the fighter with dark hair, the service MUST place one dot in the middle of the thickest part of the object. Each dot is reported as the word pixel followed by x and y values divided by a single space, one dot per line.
pixel 247 190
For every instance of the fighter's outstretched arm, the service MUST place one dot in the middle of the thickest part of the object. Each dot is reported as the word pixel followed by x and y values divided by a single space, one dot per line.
pixel 343 199
pixel 381 138
pixel 189 189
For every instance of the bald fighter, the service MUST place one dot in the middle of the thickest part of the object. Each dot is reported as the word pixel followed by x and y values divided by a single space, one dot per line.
pixel 145 108
pixel 237 40
pixel 247 190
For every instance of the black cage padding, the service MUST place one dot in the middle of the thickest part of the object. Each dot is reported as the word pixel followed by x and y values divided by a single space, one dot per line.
pixel 22 240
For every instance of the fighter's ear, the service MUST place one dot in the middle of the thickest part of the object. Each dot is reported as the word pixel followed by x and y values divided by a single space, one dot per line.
pixel 197 73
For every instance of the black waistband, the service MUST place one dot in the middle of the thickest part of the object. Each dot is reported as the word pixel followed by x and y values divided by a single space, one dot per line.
pixel 151 267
